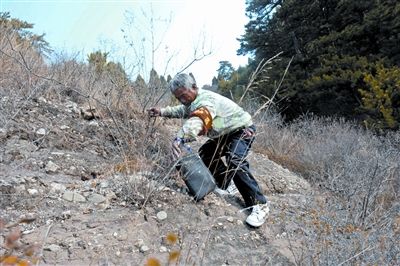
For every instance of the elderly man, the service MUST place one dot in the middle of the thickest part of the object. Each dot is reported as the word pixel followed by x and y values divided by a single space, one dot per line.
pixel 230 131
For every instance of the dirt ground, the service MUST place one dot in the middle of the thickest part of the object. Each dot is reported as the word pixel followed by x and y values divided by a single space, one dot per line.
pixel 60 192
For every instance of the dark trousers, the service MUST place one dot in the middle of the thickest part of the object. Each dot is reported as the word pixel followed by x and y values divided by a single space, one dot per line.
pixel 235 148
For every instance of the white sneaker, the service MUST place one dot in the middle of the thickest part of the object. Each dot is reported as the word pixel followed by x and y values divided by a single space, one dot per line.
pixel 258 215
pixel 230 190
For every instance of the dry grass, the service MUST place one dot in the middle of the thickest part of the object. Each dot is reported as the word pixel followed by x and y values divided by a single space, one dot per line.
pixel 139 145
pixel 118 105
pixel 360 171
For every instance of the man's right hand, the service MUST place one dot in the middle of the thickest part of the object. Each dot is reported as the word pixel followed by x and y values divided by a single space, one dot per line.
pixel 154 111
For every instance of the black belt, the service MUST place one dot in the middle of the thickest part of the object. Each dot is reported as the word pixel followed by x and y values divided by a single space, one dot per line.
pixel 241 128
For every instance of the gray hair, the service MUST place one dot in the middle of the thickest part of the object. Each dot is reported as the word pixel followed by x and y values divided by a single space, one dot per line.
pixel 182 80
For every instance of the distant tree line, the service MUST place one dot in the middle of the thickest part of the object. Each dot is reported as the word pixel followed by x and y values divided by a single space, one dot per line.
pixel 346 58
pixel 18 33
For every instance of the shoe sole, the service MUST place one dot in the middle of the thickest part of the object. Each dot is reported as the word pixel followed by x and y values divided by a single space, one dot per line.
pixel 224 193
pixel 255 225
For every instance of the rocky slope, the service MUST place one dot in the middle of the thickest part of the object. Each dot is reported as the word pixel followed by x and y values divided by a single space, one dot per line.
pixel 64 203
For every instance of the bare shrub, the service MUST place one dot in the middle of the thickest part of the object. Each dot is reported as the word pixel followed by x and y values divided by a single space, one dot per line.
pixel 18 61
pixel 139 143
pixel 113 101
pixel 360 172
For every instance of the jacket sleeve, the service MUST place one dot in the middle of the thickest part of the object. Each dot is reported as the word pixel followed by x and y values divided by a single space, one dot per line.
pixel 199 122
pixel 190 129
pixel 179 111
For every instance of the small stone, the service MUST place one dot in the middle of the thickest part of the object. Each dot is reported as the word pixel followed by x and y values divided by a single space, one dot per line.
pixel 28 218
pixel 122 236
pixel 73 196
pixel 144 248
pixel 41 131
pixel 63 127
pixel 56 187
pixel 33 191
pixel 104 184
pixel 139 243
pixel 53 248
pixel 93 123
pixel 96 198
pixel 42 99
pixel 57 153
pixel 51 167
pixel 111 195
pixel 27 232
pixel 19 189
pixel 66 214
pixel 162 215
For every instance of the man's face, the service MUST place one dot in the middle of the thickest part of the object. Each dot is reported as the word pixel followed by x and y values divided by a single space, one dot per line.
pixel 185 96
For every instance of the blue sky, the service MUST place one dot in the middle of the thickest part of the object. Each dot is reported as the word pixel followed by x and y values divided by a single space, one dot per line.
pixel 180 32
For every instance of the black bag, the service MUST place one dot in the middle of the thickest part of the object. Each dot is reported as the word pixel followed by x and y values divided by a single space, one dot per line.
pixel 196 175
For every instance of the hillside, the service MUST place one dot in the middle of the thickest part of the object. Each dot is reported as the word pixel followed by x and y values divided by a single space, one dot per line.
pixel 56 172
pixel 86 177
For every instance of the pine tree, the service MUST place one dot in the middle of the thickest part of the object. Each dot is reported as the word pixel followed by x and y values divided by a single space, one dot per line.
pixel 334 44
pixel 381 98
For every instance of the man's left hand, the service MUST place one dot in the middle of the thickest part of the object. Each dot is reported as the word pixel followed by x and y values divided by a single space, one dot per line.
pixel 247 133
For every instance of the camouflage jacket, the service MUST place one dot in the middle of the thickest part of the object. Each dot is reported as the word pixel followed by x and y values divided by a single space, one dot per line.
pixel 225 115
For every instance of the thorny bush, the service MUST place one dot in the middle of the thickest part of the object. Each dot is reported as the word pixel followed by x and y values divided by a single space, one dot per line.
pixel 360 174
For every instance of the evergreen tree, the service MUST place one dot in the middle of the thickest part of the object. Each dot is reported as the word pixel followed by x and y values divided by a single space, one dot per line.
pixel 20 31
pixel 225 70
pixel 113 70
pixel 231 82
pixel 335 43
pixel 381 99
